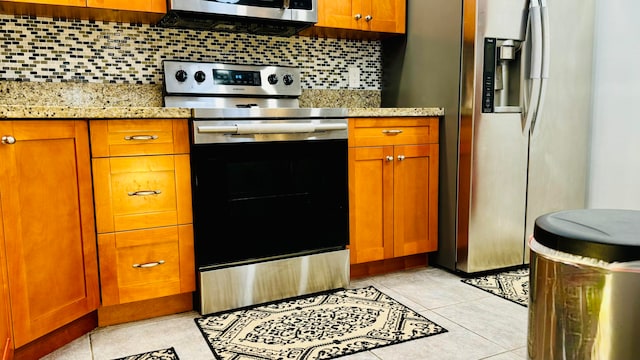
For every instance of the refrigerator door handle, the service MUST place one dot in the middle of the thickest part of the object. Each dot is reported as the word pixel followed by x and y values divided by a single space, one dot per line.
pixel 544 75
pixel 535 21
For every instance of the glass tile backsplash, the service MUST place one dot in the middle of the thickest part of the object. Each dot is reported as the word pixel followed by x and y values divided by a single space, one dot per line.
pixel 41 49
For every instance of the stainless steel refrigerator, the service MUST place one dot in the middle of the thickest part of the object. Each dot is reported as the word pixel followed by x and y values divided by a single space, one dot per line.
pixel 514 77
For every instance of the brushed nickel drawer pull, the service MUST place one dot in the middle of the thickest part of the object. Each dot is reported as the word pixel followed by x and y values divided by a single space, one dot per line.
pixel 144 193
pixel 400 157
pixel 392 132
pixel 389 158
pixel 149 264
pixel 141 137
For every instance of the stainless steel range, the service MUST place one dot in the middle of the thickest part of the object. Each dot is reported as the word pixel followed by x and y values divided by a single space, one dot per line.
pixel 269 184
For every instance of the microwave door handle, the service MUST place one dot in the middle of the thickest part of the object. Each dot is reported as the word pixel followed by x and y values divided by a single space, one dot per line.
pixel 546 58
pixel 535 23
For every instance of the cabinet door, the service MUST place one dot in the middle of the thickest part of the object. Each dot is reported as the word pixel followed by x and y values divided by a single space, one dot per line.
pixel 157 6
pixel 386 16
pixel 47 209
pixel 6 346
pixel 338 14
pixel 54 2
pixel 371 203
pixel 415 199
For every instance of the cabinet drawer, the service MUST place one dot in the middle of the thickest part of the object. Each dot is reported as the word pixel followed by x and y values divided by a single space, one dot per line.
pixel 141 192
pixel 392 131
pixel 145 264
pixel 138 137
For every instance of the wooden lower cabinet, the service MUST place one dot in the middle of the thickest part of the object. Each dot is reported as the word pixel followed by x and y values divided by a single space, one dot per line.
pixel 146 264
pixel 393 192
pixel 6 343
pixel 142 193
pixel 48 221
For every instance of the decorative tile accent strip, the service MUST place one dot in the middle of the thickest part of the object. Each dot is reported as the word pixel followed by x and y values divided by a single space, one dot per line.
pixel 39 49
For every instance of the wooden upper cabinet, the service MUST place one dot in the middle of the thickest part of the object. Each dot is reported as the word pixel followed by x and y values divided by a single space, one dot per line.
pixel 155 6
pixel 52 2
pixel 49 232
pixel 369 15
pixel 137 11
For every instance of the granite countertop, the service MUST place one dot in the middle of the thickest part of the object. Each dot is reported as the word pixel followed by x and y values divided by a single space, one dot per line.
pixel 42 100
pixel 89 112
pixel 73 112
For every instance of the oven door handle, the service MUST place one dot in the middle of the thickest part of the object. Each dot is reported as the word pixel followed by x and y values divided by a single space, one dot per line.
pixel 247 129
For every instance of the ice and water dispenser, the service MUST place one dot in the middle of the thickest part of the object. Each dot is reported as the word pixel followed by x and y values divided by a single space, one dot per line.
pixel 502 76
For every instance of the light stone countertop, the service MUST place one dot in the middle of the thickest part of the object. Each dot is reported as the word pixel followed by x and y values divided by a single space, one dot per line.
pixel 16 112
pixel 42 100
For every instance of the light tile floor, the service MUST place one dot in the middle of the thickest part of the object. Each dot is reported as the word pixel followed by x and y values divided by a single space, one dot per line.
pixel 480 325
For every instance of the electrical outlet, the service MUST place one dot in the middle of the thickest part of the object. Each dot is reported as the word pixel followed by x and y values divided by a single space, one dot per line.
pixel 354 77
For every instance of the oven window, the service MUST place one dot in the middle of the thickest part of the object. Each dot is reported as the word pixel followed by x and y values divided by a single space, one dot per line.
pixel 257 200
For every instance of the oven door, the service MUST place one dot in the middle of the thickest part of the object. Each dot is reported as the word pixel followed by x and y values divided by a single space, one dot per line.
pixel 264 200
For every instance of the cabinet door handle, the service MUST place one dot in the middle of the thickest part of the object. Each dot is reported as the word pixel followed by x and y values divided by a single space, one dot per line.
pixel 358 16
pixel 8 140
pixel 389 158
pixel 144 192
pixel 141 137
pixel 148 265
pixel 400 157
pixel 392 132
pixel 368 18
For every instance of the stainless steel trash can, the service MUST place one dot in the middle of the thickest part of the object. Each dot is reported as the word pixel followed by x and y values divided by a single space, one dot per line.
pixel 584 279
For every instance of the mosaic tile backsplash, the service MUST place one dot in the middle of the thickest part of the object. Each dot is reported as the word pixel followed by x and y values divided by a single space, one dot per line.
pixel 58 50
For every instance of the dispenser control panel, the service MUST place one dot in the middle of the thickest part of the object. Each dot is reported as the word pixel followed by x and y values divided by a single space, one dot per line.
pixel 489 75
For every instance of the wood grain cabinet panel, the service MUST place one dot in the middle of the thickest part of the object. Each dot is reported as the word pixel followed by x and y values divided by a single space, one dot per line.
pixel 138 137
pixel 6 342
pixel 49 232
pixel 155 6
pixel 146 264
pixel 393 188
pixel 386 16
pixel 51 2
pixel 142 190
pixel 136 11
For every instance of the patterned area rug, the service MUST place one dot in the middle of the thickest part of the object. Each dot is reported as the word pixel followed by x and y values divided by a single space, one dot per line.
pixel 164 354
pixel 511 285
pixel 323 326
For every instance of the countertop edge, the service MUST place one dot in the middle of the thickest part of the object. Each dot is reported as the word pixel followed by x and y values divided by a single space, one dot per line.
pixel 16 112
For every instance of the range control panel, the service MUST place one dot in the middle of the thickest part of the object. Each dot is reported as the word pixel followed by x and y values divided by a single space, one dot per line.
pixel 202 78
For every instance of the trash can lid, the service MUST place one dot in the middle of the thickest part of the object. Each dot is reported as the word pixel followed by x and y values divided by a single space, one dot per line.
pixel 604 234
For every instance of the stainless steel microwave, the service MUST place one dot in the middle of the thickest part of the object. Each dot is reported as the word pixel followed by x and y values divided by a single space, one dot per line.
pixel 266 17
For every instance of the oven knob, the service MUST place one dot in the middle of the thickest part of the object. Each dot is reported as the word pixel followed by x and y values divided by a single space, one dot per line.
pixel 181 75
pixel 272 79
pixel 199 76
pixel 287 79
